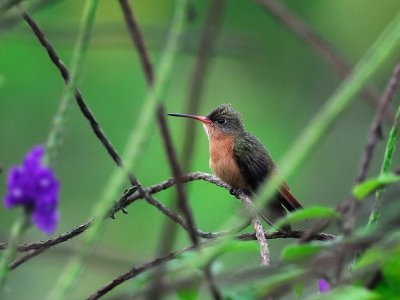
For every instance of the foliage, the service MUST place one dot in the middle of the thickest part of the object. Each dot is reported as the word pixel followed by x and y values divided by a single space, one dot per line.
pixel 223 264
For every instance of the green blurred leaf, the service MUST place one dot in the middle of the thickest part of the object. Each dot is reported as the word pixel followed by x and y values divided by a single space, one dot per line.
pixel 348 293
pixel 190 293
pixel 372 256
pixel 285 276
pixel 199 259
pixel 390 270
pixel 298 290
pixel 247 294
pixel 369 186
pixel 302 251
pixel 307 213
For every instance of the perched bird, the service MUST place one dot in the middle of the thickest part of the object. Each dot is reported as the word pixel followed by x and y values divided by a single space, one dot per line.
pixel 240 159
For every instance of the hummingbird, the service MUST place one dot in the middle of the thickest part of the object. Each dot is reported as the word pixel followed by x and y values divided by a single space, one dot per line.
pixel 240 159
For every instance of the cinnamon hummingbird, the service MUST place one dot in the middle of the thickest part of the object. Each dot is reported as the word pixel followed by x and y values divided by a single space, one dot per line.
pixel 240 159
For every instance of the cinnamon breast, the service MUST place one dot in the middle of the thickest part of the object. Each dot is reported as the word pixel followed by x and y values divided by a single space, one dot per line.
pixel 222 161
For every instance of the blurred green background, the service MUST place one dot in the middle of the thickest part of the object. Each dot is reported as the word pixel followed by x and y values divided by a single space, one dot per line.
pixel 269 75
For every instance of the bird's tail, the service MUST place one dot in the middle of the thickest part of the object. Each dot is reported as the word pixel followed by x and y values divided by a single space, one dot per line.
pixel 276 208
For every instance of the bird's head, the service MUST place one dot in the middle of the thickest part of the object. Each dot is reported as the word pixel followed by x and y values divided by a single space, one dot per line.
pixel 221 121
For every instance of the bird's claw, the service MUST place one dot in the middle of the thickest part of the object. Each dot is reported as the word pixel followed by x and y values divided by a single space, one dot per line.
pixel 121 203
pixel 234 191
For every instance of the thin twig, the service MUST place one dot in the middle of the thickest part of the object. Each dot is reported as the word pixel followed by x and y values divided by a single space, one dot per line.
pixel 9 21
pixel 375 132
pixel 212 285
pixel 131 196
pixel 79 99
pixel 137 271
pixel 163 259
pixel 31 254
pixel 208 37
pixel 351 206
pixel 138 40
pixel 314 230
pixel 6 5
pixel 322 47
pixel 176 171
pixel 51 242
pixel 258 228
pixel 183 203
pixel 47 244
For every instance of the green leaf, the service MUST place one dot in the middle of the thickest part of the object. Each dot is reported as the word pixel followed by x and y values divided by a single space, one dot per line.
pixel 348 293
pixel 312 212
pixel 369 186
pixel 390 270
pixel 189 293
pixel 298 290
pixel 370 257
pixel 303 251
pixel 285 276
pixel 198 259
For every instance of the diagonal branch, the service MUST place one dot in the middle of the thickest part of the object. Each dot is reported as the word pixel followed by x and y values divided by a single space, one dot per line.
pixel 351 206
pixel 39 247
pixel 174 165
pixel 134 272
pixel 138 41
pixel 375 132
pixel 78 97
pixel 258 228
pixel 322 47
pixel 183 204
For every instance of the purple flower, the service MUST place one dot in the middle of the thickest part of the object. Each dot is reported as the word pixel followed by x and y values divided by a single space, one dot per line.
pixel 324 286
pixel 35 187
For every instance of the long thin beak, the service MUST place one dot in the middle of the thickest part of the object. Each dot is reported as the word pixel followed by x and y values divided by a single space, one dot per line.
pixel 198 118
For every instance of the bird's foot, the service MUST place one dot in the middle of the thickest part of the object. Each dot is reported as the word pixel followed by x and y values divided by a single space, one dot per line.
pixel 235 191
pixel 122 202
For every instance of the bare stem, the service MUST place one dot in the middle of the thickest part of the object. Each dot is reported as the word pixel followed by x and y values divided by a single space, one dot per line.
pixel 138 41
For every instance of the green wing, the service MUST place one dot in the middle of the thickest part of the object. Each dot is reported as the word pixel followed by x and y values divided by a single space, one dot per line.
pixel 256 164
pixel 253 160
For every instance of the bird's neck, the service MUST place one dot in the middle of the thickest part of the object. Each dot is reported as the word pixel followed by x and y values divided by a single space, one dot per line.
pixel 215 134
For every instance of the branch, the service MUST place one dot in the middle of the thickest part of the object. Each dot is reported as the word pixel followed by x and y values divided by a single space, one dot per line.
pixel 40 247
pixel 322 47
pixel 137 271
pixel 375 132
pixel 51 242
pixel 132 196
pixel 138 41
pixel 183 203
pixel 208 37
pixel 9 21
pixel 78 97
pixel 351 206
pixel 176 171
pixel 259 230
pixel 134 272
pixel 7 4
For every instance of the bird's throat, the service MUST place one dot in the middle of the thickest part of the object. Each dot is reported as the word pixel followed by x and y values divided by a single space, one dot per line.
pixel 222 160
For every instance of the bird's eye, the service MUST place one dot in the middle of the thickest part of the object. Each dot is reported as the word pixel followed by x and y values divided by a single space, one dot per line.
pixel 221 121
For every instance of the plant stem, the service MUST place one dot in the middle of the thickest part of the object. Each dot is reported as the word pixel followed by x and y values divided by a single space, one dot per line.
pixel 387 162
pixel 78 56
pixel 16 233
pixel 137 138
